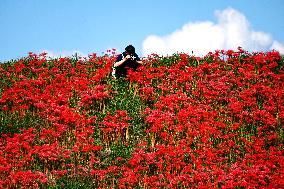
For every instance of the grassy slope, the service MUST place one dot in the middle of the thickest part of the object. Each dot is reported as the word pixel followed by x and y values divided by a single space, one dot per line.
pixel 177 123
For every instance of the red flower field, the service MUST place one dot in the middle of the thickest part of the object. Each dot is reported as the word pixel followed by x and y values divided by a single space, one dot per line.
pixel 178 122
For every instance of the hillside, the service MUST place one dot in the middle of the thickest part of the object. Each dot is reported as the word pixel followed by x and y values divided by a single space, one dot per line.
pixel 179 122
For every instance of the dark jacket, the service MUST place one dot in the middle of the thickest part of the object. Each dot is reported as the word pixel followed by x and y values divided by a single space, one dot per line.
pixel 121 71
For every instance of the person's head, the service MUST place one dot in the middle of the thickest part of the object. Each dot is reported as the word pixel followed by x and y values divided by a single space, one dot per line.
pixel 130 49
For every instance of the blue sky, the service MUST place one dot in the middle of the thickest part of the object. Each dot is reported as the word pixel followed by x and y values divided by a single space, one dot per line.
pixel 63 27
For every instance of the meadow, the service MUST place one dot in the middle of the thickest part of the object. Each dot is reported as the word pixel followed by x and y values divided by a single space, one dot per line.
pixel 180 121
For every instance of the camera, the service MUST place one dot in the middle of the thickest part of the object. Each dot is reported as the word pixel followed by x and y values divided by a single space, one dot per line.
pixel 132 57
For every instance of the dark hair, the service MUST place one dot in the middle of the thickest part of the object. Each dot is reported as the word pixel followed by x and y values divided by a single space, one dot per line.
pixel 130 49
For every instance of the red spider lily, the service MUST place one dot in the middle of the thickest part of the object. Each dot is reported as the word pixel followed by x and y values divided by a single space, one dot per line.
pixel 96 94
pixel 211 122
pixel 28 178
pixel 115 127
pixel 50 152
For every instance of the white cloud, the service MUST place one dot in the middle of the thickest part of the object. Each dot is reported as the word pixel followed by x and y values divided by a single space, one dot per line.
pixel 53 54
pixel 231 31
pixel 278 47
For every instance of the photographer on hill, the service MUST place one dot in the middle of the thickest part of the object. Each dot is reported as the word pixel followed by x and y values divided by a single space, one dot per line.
pixel 125 61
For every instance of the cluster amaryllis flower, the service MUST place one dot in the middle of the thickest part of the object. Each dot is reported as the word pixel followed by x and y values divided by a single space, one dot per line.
pixel 179 121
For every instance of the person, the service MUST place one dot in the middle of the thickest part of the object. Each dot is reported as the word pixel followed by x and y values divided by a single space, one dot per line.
pixel 125 61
